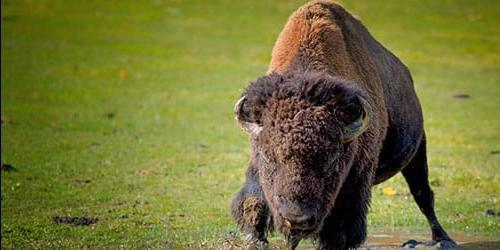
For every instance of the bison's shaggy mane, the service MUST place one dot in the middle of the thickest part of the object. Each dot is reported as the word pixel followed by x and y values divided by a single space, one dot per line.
pixel 315 88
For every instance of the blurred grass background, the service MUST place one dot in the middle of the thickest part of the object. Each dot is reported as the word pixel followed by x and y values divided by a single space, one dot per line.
pixel 122 110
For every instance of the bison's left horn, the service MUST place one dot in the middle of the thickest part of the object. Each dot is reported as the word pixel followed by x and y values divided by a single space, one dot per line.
pixel 248 126
pixel 357 127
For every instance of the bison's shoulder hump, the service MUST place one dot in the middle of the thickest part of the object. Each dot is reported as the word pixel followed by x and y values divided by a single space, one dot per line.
pixel 308 29
pixel 322 9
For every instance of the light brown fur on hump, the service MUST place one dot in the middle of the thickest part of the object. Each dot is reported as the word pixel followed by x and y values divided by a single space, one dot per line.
pixel 311 34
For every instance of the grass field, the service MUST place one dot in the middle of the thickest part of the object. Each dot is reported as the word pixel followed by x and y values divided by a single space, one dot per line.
pixel 122 110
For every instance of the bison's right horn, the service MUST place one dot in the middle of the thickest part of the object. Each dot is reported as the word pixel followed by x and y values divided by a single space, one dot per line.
pixel 248 126
pixel 357 127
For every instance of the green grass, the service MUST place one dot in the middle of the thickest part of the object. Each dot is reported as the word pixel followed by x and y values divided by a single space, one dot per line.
pixel 163 169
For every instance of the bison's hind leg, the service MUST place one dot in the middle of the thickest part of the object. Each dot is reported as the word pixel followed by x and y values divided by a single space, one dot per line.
pixel 251 212
pixel 416 175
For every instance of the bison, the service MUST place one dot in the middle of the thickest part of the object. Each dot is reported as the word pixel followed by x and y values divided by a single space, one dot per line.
pixel 336 114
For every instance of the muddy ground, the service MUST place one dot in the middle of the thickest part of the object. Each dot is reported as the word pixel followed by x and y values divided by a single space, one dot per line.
pixel 389 239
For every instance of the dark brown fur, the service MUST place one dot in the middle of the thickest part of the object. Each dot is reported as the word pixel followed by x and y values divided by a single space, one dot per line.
pixel 304 179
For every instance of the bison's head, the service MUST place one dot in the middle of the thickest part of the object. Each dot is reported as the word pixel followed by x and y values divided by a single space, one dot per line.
pixel 302 127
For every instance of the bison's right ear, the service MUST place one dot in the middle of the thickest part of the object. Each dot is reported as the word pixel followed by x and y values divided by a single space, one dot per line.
pixel 244 118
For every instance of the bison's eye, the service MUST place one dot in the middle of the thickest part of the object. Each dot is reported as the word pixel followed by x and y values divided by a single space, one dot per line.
pixel 333 167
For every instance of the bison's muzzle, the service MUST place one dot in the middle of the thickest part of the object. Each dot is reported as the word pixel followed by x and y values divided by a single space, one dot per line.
pixel 295 216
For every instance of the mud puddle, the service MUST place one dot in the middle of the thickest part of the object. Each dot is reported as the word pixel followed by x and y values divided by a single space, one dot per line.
pixel 383 239
pixel 391 239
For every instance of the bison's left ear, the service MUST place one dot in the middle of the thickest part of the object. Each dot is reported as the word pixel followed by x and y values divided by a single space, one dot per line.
pixel 359 112
pixel 244 118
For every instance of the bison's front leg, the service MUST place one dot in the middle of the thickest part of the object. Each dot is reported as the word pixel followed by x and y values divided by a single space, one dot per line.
pixel 250 210
pixel 345 228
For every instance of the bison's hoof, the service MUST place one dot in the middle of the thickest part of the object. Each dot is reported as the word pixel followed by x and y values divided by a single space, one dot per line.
pixel 412 244
pixel 256 243
pixel 446 245
pixel 441 245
